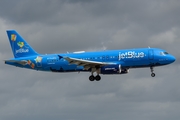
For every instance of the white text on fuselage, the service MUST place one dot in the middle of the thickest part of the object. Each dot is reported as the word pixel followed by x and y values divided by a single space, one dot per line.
pixel 131 54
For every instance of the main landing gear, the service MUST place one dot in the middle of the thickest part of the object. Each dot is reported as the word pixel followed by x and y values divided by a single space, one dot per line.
pixel 152 70
pixel 97 77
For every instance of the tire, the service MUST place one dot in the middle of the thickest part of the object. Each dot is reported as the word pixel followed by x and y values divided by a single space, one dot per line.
pixel 98 78
pixel 91 78
pixel 153 75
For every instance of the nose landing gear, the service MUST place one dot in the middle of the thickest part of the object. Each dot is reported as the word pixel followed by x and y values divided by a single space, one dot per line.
pixel 152 70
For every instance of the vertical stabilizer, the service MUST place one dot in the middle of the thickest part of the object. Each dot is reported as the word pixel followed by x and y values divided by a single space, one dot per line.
pixel 19 46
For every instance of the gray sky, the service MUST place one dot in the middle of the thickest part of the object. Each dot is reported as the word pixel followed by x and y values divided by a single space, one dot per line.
pixel 71 25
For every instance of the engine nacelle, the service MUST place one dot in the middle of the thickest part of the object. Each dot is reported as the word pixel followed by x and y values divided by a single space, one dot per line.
pixel 113 69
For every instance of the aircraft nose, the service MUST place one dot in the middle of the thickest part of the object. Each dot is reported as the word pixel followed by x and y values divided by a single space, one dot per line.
pixel 172 59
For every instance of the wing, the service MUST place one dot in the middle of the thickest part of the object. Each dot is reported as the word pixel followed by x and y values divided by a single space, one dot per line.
pixel 22 62
pixel 87 63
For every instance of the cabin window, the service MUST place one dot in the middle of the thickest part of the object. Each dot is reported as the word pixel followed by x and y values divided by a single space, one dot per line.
pixel 107 57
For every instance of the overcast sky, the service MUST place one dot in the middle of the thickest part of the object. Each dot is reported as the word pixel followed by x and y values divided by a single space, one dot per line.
pixel 58 26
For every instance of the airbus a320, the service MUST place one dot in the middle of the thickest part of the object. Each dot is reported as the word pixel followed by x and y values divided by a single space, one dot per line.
pixel 99 62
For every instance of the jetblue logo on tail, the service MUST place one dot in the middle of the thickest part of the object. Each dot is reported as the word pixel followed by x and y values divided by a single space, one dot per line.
pixel 19 44
pixel 21 50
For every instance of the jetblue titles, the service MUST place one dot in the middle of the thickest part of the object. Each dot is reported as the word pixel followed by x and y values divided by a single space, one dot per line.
pixel 22 50
pixel 131 54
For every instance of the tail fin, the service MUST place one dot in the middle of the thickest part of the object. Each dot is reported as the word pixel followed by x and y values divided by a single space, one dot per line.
pixel 20 47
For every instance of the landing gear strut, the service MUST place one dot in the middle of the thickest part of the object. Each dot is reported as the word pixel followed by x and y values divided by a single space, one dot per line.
pixel 152 70
pixel 97 77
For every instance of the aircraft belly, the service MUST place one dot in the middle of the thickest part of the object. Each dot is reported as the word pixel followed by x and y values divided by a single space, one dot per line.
pixel 64 68
pixel 136 64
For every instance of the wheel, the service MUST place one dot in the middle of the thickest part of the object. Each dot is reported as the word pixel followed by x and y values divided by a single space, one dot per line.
pixel 91 78
pixel 153 74
pixel 98 78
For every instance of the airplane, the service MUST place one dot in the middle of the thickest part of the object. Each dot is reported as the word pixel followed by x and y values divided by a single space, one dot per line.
pixel 105 62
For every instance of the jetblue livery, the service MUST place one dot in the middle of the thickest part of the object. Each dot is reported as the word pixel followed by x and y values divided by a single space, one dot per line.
pixel 102 62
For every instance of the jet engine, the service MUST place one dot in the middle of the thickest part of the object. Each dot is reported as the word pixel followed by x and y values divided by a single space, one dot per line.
pixel 113 69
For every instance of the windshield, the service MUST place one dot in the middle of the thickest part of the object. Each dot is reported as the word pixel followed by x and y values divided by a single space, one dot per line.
pixel 164 53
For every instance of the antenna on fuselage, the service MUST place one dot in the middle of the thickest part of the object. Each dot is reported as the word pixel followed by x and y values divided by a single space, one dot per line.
pixel 103 46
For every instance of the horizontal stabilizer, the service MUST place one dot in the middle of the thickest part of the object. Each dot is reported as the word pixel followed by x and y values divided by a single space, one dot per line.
pixel 22 62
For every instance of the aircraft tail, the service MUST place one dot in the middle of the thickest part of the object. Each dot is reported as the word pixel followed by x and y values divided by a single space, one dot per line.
pixel 19 46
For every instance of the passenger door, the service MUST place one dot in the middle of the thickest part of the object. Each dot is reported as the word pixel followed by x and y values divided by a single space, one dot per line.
pixel 151 54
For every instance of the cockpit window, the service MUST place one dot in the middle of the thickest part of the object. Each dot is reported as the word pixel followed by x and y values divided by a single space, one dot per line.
pixel 164 53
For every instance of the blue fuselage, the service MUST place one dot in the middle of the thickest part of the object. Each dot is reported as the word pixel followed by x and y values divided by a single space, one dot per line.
pixel 130 58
